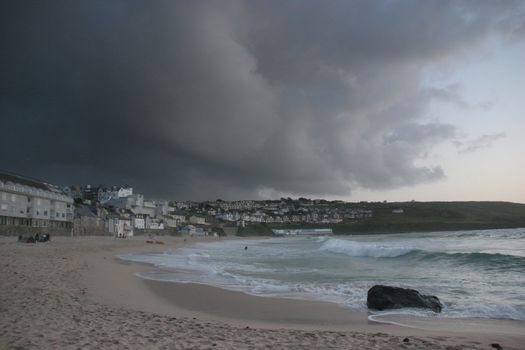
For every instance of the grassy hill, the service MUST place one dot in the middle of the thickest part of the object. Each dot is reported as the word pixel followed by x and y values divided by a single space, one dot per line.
pixel 437 216
pixel 422 216
pixel 255 229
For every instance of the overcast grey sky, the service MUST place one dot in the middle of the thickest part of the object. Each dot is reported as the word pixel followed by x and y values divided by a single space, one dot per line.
pixel 355 100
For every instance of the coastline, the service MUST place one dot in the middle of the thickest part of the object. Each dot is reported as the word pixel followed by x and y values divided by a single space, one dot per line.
pixel 108 303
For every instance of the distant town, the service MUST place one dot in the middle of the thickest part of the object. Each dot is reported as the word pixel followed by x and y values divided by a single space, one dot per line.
pixel 118 210
pixel 28 205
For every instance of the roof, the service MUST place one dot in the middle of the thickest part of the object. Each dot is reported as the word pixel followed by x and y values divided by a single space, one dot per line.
pixel 84 210
pixel 26 181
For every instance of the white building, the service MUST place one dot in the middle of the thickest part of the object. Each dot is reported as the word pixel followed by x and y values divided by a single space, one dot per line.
pixel 179 217
pixel 119 225
pixel 155 224
pixel 163 208
pixel 198 220
pixel 141 216
pixel 29 202
pixel 125 191
pixel 139 221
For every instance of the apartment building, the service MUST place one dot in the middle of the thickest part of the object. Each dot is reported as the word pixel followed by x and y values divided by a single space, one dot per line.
pixel 33 203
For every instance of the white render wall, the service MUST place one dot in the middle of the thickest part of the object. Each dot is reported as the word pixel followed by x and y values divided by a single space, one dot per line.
pixel 22 201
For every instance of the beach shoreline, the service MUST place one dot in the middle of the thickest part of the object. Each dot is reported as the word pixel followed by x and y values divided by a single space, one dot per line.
pixel 86 272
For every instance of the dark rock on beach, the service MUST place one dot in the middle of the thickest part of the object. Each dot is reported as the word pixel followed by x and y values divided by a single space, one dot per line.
pixel 386 297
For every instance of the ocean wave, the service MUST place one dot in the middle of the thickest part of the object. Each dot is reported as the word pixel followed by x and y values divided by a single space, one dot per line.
pixel 493 261
pixel 364 249
pixel 474 274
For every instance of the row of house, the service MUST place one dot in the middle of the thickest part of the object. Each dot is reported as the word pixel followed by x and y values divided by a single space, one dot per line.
pixel 284 211
pixel 121 212
pixel 126 222
pixel 98 194
pixel 260 217
pixel 295 217
pixel 28 206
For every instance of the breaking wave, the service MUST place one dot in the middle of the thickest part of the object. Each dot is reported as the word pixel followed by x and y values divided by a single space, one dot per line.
pixel 492 261
pixel 364 249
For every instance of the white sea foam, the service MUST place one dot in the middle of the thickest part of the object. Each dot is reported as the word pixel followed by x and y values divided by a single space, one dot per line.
pixel 463 311
pixel 322 239
pixel 364 249
pixel 485 310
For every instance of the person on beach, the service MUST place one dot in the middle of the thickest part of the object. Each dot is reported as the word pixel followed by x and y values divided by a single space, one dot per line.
pixel 246 248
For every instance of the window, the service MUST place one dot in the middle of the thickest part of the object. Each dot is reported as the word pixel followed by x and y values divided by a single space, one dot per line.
pixel 37 212
pixel 13 198
pixel 63 215
pixel 45 212
pixel 4 196
pixel 3 207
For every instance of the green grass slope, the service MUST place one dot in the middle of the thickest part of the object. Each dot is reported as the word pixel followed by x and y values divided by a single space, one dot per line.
pixel 437 216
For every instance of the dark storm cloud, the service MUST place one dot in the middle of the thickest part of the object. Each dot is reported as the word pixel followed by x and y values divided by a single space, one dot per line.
pixel 195 99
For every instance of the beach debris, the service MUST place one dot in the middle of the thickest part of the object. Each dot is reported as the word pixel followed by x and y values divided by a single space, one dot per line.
pixel 406 340
pixel 154 242
pixel 386 297
pixel 496 346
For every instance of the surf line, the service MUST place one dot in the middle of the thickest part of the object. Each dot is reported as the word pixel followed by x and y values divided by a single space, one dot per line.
pixel 372 318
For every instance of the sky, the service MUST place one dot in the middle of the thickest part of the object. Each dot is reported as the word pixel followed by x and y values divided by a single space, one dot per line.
pixel 199 100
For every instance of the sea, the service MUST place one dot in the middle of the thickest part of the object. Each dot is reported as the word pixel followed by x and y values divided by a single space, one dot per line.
pixel 474 273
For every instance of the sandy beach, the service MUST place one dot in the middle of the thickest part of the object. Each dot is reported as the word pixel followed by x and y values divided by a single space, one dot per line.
pixel 73 293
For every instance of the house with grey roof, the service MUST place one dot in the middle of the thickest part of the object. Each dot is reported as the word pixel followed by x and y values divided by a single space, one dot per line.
pixel 87 221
